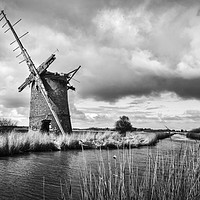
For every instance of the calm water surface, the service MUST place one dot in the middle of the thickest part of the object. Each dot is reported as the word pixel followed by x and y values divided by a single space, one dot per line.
pixel 33 175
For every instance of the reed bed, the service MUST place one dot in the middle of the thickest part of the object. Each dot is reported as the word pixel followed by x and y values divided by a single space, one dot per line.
pixel 162 135
pixel 193 135
pixel 17 143
pixel 167 176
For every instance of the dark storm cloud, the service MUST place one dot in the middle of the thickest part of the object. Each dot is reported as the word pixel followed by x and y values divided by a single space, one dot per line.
pixel 185 88
pixel 163 58
pixel 65 14
pixel 62 14
pixel 126 47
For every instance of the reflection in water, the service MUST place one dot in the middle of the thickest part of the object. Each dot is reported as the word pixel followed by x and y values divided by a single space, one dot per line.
pixel 21 177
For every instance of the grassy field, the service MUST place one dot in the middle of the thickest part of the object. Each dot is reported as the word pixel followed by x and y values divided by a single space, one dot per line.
pixel 168 176
pixel 17 143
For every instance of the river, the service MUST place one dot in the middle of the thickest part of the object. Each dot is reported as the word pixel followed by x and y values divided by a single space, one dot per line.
pixel 41 175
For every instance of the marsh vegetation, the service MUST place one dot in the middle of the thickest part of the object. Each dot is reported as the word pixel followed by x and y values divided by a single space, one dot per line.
pixel 17 143
pixel 156 172
pixel 168 175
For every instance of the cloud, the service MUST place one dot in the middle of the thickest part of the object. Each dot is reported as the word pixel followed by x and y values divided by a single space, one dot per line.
pixel 18 115
pixel 14 100
pixel 126 49
pixel 143 53
pixel 193 115
pixel 130 48
pixel 76 114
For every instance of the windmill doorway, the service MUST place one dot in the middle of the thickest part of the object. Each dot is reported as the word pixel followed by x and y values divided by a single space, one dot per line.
pixel 45 125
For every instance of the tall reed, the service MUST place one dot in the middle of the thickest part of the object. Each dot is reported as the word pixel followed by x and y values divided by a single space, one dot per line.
pixel 167 176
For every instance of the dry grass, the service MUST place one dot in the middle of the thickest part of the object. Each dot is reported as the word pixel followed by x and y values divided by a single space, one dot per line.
pixel 16 143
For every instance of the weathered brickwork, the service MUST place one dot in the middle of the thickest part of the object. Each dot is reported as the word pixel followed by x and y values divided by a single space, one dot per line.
pixel 57 91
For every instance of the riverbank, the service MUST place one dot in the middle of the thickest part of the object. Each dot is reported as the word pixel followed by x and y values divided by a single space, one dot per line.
pixel 18 143
pixel 45 175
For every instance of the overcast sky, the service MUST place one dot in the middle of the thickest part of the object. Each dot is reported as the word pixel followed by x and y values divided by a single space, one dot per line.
pixel 139 58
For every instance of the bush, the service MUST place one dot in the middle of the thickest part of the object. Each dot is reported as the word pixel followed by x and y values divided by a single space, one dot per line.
pixel 123 125
pixel 7 125
pixel 7 122
pixel 196 130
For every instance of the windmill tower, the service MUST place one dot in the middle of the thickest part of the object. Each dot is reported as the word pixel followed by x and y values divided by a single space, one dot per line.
pixel 49 107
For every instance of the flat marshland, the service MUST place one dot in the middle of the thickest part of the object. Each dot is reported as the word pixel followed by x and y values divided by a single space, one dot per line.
pixel 17 143
pixel 164 174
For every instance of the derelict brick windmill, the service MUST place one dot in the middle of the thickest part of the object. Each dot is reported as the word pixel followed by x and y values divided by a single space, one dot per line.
pixel 49 107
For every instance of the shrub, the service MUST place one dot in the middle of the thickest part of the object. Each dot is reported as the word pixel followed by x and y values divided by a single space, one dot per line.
pixel 123 125
pixel 194 134
pixel 7 122
pixel 7 125
pixel 196 130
